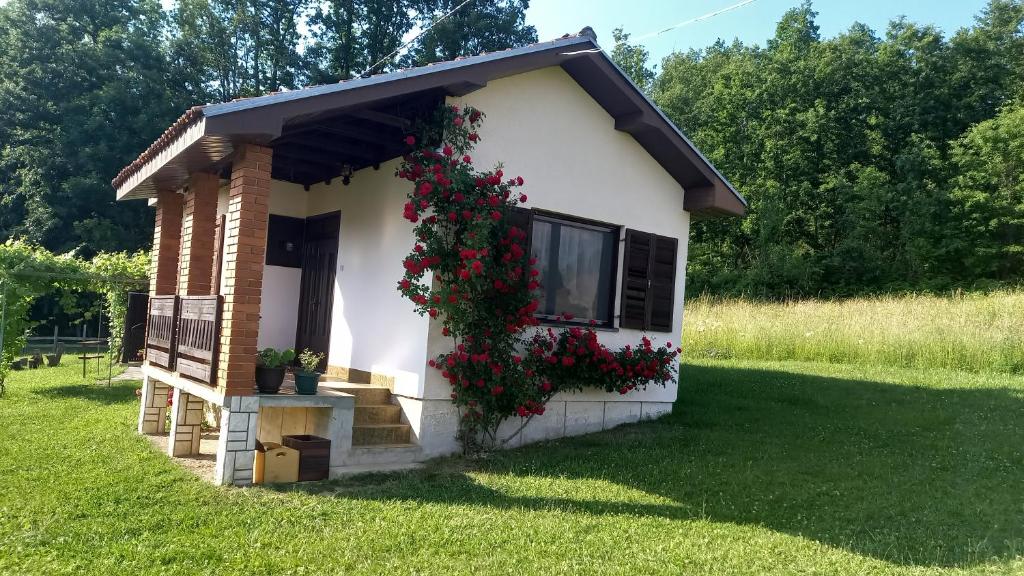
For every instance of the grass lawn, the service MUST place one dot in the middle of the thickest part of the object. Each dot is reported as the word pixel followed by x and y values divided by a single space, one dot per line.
pixel 764 468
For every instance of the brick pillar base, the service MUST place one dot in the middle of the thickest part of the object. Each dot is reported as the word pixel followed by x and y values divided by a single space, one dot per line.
pixel 186 424
pixel 236 446
pixel 153 408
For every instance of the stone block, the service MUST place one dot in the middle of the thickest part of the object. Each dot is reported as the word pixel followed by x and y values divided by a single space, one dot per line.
pixel 237 445
pixel 248 403
pixel 583 417
pixel 244 460
pixel 238 423
pixel 549 425
pixel 616 413
pixel 652 410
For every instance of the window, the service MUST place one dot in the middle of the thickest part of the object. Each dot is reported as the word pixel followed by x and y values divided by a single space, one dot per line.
pixel 576 261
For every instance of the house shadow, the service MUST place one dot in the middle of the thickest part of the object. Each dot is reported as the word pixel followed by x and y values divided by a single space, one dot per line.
pixel 915 476
pixel 101 393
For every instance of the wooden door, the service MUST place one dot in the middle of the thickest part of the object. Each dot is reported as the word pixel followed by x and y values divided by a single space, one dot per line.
pixel 316 295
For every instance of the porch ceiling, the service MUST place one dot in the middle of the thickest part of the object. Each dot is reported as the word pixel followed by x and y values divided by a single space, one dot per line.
pixel 316 149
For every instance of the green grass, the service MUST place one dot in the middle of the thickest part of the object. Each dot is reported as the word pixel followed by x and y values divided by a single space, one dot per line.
pixel 975 332
pixel 789 468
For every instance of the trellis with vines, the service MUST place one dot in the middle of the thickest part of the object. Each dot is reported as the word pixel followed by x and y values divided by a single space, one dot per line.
pixel 28 272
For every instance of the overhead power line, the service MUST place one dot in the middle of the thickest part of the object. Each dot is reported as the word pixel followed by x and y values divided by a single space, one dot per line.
pixel 674 26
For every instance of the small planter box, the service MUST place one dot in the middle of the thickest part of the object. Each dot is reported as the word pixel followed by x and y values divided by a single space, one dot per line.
pixel 314 455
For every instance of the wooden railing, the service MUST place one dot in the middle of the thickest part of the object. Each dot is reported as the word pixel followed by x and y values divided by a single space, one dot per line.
pixel 160 331
pixel 198 336
pixel 183 335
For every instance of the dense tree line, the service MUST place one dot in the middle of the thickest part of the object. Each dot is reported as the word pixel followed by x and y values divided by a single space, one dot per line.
pixel 870 163
pixel 88 84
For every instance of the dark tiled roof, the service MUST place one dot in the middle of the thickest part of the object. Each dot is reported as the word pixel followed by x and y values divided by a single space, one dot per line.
pixel 193 114
pixel 180 125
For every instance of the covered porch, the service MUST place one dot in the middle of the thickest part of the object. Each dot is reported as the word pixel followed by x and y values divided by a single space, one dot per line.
pixel 241 260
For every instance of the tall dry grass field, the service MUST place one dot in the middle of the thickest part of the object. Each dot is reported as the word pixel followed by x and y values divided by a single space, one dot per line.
pixel 975 332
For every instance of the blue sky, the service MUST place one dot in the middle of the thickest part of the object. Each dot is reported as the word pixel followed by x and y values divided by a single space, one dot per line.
pixel 752 23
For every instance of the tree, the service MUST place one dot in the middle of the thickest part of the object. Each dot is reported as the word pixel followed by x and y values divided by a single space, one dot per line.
pixel 86 87
pixel 841 146
pixel 237 48
pixel 480 26
pixel 632 59
pixel 989 195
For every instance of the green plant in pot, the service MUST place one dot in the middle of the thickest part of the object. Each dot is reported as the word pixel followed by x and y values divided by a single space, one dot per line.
pixel 307 378
pixel 270 364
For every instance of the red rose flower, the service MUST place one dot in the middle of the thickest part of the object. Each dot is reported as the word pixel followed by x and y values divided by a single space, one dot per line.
pixel 410 140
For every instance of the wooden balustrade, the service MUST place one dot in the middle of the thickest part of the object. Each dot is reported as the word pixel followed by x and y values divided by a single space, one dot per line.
pixel 160 331
pixel 184 332
pixel 198 336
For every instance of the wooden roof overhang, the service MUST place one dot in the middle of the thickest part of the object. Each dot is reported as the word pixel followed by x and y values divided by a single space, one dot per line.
pixel 318 132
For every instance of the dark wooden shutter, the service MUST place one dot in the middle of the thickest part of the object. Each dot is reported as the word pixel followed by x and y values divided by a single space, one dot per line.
pixel 663 284
pixel 636 268
pixel 648 282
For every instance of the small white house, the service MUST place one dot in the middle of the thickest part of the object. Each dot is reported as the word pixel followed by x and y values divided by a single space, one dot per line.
pixel 279 224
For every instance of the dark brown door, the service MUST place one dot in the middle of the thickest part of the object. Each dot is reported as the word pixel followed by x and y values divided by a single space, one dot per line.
pixel 316 295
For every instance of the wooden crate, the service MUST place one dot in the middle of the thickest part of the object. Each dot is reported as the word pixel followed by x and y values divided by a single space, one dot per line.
pixel 314 455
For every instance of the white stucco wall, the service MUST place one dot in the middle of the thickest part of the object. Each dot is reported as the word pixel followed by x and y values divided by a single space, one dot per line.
pixel 279 304
pixel 372 327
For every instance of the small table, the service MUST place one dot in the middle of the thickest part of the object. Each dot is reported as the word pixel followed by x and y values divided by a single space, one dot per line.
pixel 85 360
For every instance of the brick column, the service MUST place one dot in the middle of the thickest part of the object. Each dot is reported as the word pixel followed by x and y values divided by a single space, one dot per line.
pixel 153 412
pixel 186 424
pixel 245 244
pixel 198 224
pixel 163 275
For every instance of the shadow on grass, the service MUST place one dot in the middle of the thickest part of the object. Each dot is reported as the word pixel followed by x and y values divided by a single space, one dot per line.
pixel 910 475
pixel 116 393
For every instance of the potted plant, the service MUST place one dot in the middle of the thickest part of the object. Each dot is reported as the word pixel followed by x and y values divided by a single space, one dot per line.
pixel 270 365
pixel 307 378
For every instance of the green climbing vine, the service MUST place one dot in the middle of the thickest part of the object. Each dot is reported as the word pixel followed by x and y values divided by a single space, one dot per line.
pixel 28 271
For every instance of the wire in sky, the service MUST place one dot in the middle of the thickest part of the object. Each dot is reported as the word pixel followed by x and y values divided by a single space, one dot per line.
pixel 417 37
pixel 674 26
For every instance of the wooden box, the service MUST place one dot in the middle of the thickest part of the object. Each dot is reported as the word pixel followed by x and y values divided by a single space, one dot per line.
pixel 314 455
pixel 275 464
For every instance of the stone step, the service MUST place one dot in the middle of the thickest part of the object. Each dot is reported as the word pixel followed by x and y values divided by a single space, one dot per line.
pixel 378 414
pixel 383 455
pixel 378 434
pixel 365 395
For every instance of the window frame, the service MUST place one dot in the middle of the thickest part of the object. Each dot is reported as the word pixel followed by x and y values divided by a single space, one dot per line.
pixel 613 287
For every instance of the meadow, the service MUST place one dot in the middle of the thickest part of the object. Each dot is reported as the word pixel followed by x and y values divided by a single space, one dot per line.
pixel 851 465
pixel 965 331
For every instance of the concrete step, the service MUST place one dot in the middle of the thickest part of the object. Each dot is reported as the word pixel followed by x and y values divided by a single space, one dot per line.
pixel 378 414
pixel 365 395
pixel 341 471
pixel 377 434
pixel 382 455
